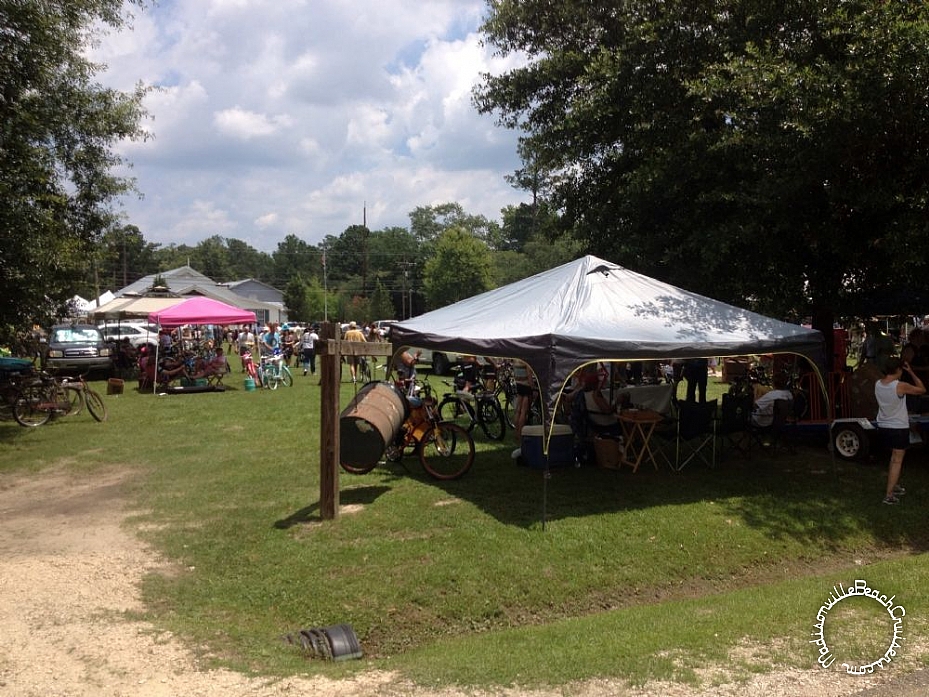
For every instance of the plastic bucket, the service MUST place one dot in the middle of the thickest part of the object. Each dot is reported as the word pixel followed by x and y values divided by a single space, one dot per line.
pixel 249 385
pixel 370 422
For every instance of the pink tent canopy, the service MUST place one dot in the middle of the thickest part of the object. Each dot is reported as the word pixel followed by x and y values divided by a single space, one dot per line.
pixel 201 310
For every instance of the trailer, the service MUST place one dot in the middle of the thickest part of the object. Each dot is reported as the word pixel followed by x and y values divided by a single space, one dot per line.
pixel 854 439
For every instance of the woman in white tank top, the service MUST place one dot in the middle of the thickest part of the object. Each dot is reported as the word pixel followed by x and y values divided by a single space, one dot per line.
pixel 893 419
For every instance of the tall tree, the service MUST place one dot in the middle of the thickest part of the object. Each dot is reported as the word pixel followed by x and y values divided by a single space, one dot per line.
pixel 57 131
pixel 427 223
pixel 247 262
pixel 765 153
pixel 127 257
pixel 294 258
pixel 462 267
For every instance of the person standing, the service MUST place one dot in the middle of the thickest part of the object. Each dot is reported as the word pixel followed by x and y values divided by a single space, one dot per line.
pixel 893 419
pixel 353 334
pixel 695 372
pixel 308 349
pixel 269 340
pixel 245 342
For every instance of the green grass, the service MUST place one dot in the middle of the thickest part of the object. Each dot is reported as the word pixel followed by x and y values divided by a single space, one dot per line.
pixel 642 577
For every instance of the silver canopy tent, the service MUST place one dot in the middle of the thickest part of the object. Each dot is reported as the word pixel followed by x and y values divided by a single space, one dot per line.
pixel 591 310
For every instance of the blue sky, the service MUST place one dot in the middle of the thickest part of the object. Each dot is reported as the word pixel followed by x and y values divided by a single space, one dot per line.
pixel 277 117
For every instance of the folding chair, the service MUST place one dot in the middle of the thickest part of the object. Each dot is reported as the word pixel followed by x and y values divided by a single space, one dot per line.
pixel 777 435
pixel 734 429
pixel 215 378
pixel 694 434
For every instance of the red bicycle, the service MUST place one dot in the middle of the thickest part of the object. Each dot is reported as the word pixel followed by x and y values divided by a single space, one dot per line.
pixel 250 369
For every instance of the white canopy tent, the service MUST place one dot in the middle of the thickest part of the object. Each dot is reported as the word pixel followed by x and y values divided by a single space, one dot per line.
pixel 593 310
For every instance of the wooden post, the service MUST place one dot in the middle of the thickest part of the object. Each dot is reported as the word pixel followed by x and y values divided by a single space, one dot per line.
pixel 329 349
pixel 329 424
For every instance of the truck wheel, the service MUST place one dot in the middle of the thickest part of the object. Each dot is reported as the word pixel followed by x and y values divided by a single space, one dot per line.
pixel 850 442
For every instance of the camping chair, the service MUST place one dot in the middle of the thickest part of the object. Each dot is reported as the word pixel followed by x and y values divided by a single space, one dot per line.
pixel 777 435
pixel 216 376
pixel 693 435
pixel 734 429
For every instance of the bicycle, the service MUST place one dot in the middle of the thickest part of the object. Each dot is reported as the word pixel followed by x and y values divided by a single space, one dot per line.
pixel 14 373
pixel 743 385
pixel 445 449
pixel 364 370
pixel 477 408
pixel 86 396
pixel 505 393
pixel 272 371
pixel 45 396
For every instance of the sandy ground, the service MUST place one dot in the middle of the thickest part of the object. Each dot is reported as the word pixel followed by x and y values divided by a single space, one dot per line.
pixel 69 569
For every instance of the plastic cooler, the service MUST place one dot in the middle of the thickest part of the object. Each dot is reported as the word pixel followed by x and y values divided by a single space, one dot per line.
pixel 560 447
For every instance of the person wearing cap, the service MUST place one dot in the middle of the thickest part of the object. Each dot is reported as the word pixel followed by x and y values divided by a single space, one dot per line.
pixel 353 334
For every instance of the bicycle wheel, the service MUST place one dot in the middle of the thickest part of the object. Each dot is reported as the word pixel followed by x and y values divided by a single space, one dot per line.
pixel 273 376
pixel 447 451
pixel 287 378
pixel 509 407
pixel 491 418
pixel 356 469
pixel 74 396
pixel 95 404
pixel 26 409
pixel 456 410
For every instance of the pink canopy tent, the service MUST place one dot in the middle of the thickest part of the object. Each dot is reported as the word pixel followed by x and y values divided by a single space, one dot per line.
pixel 201 310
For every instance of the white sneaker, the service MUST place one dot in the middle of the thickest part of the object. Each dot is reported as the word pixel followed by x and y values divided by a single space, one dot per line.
pixel 516 453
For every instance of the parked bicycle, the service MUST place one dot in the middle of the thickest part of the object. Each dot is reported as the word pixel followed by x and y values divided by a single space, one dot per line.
pixel 273 372
pixel 476 408
pixel 505 392
pixel 742 385
pixel 14 372
pixel 250 368
pixel 445 449
pixel 45 397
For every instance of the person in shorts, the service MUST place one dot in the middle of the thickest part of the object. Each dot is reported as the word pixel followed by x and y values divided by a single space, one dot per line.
pixel 893 419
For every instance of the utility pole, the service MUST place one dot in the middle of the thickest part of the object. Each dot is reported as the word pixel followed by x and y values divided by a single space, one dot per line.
pixel 364 249
pixel 407 286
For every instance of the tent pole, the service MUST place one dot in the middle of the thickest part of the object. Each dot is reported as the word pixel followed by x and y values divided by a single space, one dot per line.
pixel 546 475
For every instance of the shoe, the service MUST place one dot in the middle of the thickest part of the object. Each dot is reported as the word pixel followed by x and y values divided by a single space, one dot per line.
pixel 891 500
pixel 516 453
pixel 899 491
pixel 304 373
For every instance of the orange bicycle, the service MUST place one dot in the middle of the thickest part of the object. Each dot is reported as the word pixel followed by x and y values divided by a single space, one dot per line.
pixel 445 449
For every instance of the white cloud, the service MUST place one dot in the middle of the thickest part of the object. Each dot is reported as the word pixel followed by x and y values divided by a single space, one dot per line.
pixel 308 110
pixel 246 125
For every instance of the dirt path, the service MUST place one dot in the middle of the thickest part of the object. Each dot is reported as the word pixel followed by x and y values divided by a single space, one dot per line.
pixel 68 570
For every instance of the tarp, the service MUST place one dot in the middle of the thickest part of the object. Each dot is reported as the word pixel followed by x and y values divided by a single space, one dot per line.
pixel 592 310
pixel 200 310
pixel 132 307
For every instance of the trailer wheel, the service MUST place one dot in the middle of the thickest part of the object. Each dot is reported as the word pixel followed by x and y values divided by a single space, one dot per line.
pixel 850 442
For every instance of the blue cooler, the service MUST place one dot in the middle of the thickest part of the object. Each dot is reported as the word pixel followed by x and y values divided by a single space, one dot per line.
pixel 560 447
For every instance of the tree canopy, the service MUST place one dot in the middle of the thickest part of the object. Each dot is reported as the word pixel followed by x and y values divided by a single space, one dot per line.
pixel 57 128
pixel 772 154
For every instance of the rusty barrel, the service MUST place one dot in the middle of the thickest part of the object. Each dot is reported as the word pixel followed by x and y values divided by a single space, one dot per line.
pixel 371 420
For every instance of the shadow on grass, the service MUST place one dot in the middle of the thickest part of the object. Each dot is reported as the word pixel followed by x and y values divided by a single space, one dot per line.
pixel 354 496
pixel 803 495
